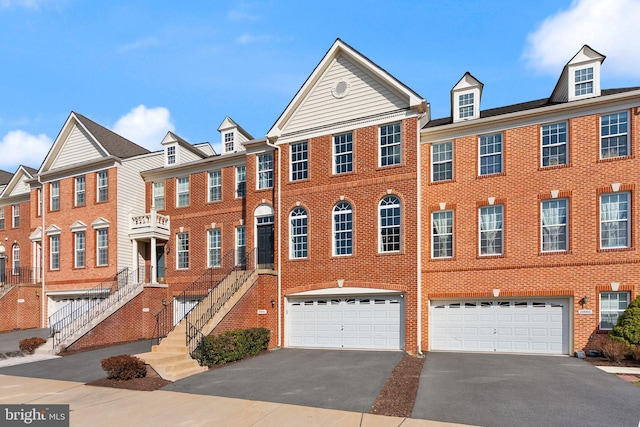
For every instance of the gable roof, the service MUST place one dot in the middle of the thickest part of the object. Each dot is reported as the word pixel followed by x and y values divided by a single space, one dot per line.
pixel 5 177
pixel 339 48
pixel 585 54
pixel 17 186
pixel 229 123
pixel 171 137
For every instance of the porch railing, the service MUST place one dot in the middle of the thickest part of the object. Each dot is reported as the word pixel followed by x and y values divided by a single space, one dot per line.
pixel 89 305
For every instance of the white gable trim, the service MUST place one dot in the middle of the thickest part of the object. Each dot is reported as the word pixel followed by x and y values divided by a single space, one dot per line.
pixel 78 226
pixel 100 223
pixel 53 230
pixel 36 236
pixel 20 175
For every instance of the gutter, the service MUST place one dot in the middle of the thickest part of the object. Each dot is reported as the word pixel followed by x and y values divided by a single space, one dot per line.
pixel 277 149
pixel 43 320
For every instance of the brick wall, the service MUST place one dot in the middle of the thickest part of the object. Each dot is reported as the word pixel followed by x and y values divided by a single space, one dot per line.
pixel 20 315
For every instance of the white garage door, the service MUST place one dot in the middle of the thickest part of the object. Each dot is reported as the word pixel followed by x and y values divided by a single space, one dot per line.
pixel 516 326
pixel 347 322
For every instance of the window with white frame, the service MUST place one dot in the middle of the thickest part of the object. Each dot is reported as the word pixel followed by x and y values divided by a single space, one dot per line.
pixel 215 247
pixel 612 305
pixel 241 244
pixel 265 170
pixel 2 218
pixel 182 191
pixel 102 247
pixel 182 258
pixel 298 230
pixel 39 192
pixel 215 186
pixel 158 195
pixel 241 181
pixel 80 246
pixel 613 135
pixel 465 105
pixel 15 254
pixel 171 155
pixel 554 144
pixel 614 220
pixel 342 229
pixel 299 161
pixel 490 154
pixel 54 191
pixel 54 252
pixel 103 186
pixel 442 161
pixel 554 221
pixel 390 224
pixel 442 234
pixel 390 145
pixel 584 81
pixel 343 153
pixel 80 191
pixel 491 230
pixel 228 142
pixel 15 216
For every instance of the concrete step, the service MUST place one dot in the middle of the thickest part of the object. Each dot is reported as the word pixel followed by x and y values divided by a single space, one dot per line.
pixel 169 348
pixel 152 358
pixel 182 365
pixel 178 375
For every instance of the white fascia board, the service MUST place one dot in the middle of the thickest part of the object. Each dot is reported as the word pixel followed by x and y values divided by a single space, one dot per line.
pixel 344 291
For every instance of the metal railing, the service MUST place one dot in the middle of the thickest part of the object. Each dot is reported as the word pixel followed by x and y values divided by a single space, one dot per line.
pixel 172 313
pixel 202 313
pixel 17 276
pixel 89 305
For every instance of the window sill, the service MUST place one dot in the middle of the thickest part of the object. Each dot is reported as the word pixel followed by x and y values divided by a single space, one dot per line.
pixel 613 159
pixel 554 167
pixel 444 181
pixel 549 253
pixel 263 189
pixel 390 253
pixel 491 256
pixel 299 259
pixel 491 175
pixel 295 181
pixel 631 248
pixel 334 256
pixel 451 258
pixel 394 166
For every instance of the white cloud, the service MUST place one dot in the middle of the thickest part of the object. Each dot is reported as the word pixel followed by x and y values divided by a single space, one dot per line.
pixel 145 126
pixel 139 44
pixel 608 26
pixel 242 13
pixel 249 38
pixel 19 147
pixel 25 4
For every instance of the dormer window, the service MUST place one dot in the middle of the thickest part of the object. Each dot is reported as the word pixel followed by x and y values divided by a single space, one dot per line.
pixel 465 99
pixel 584 81
pixel 171 155
pixel 228 142
pixel 465 105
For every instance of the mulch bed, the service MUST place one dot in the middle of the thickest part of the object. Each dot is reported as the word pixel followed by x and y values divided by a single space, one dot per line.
pixel 398 395
pixel 139 384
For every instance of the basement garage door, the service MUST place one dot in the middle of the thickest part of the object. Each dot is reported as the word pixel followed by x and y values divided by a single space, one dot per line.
pixel 375 322
pixel 515 326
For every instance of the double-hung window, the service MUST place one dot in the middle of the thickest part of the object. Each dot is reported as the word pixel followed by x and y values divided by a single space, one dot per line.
pixel 491 230
pixel 554 144
pixel 103 186
pixel 102 247
pixel 171 155
pixel 1 218
pixel 612 305
pixel 15 216
pixel 614 140
pixel 299 232
pixel 182 191
pixel 554 217
pixel 614 220
pixel 265 170
pixel 241 245
pixel 584 81
pixel 390 145
pixel 228 142
pixel 214 243
pixel 80 191
pixel 442 161
pixel 15 252
pixel 54 192
pixel 465 105
pixel 79 248
pixel 490 154
pixel 442 234
pixel 241 181
pixel 158 195
pixel 343 153
pixel 342 229
pixel 389 224
pixel 215 186
pixel 182 242
pixel 54 252
pixel 299 161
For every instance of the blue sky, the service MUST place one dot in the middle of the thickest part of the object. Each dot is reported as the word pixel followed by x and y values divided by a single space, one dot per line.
pixel 142 68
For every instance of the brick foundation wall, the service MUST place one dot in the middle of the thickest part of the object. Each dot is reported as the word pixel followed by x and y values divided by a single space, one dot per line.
pixel 21 315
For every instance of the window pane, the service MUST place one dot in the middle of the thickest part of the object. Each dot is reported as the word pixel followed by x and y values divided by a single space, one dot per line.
pixel 390 145
pixel 343 153
pixel 299 161
pixel 491 154
pixel 299 233
pixel 342 229
pixel 442 234
pixel 491 230
pixel 442 161
pixel 554 225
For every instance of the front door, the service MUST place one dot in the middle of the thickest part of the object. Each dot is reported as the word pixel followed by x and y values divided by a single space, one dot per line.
pixel 265 246
pixel 160 263
pixel 2 262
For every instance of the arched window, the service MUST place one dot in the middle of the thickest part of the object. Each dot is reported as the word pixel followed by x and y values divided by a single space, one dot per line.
pixel 342 229
pixel 298 230
pixel 390 224
pixel 16 259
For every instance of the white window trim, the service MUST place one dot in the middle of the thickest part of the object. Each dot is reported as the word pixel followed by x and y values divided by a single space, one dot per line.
pixel 627 220
pixel 52 196
pixel 156 197
pixel 456 104
pixel 175 155
pixel 259 171
pixel 542 226
pixel 101 247
pixel 79 191
pixel 620 311
pixel 398 144
pixel 77 250
pixel 51 252
pixel 480 156
pixel 2 217
pixel 15 259
pixel 334 250
pixel 237 243
pixel 334 166
pixel 400 236
pixel 292 161
pixel 15 216
pixel 292 250
pixel 210 233
pixel 434 235
pixel 243 181
pixel 179 251
pixel 627 133
pixel 100 186
pixel 480 231
pixel 442 162
pixel 232 141
pixel 542 147
pixel 572 80
pixel 187 192
pixel 210 187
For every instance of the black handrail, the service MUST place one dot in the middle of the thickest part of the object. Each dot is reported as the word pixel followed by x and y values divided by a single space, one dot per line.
pixel 75 315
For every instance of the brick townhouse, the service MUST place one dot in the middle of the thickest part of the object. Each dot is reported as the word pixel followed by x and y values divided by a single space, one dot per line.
pixel 367 224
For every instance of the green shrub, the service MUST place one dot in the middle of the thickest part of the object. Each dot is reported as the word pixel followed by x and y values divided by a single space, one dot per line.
pixel 124 367
pixel 30 344
pixel 635 353
pixel 627 328
pixel 231 346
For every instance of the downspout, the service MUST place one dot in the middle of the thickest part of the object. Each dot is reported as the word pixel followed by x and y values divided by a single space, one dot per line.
pixel 277 149
pixel 43 210
pixel 419 234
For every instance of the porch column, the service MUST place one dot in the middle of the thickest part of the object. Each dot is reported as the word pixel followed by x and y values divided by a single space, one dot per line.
pixel 134 249
pixel 154 261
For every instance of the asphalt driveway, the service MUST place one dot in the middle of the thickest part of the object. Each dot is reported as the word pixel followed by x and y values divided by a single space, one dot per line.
pixel 334 379
pixel 517 390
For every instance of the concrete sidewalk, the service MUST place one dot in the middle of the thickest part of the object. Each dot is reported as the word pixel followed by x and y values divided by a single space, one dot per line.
pixel 101 406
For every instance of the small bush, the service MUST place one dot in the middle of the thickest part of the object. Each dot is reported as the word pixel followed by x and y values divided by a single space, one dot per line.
pixel 613 350
pixel 635 353
pixel 231 346
pixel 124 367
pixel 30 344
pixel 627 329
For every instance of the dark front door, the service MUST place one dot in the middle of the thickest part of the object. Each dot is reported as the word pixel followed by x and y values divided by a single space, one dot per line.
pixel 265 246
pixel 160 263
pixel 2 261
